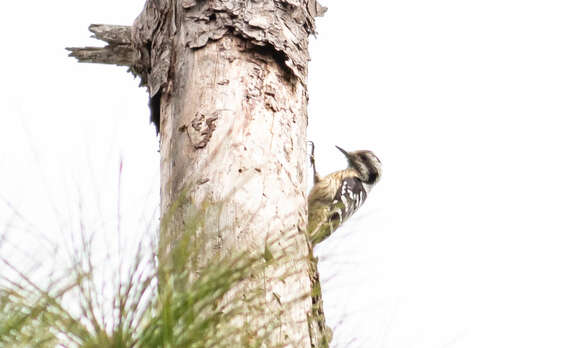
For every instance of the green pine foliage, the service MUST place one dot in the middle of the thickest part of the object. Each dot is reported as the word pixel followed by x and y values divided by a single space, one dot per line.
pixel 157 302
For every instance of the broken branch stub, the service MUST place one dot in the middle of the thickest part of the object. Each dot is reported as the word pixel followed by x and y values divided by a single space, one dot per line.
pixel 147 47
pixel 119 50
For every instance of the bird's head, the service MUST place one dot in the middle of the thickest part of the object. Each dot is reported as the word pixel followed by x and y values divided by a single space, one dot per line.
pixel 366 163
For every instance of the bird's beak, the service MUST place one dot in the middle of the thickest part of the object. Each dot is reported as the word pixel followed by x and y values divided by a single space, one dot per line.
pixel 344 152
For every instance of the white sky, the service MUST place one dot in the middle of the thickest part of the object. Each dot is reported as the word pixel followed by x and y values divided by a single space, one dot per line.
pixel 471 238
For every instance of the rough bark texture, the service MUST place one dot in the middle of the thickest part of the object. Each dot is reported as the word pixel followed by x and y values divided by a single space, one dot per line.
pixel 232 134
pixel 226 80
pixel 283 25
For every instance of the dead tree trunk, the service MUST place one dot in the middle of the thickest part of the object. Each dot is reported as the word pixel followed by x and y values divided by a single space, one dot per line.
pixel 227 82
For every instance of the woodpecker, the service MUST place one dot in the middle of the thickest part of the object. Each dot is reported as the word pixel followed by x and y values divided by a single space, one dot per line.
pixel 334 198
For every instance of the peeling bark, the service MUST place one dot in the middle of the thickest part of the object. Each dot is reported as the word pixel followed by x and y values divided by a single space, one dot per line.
pixel 283 25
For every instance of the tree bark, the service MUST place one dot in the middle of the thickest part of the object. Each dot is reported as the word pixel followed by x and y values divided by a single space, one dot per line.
pixel 227 82
pixel 233 134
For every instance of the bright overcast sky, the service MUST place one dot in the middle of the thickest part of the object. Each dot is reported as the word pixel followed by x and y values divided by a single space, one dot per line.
pixel 471 238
